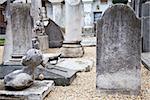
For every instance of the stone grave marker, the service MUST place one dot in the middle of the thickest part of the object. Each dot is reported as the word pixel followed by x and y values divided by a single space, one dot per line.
pixel 118 51
pixel 55 34
pixel 20 21
pixel 146 26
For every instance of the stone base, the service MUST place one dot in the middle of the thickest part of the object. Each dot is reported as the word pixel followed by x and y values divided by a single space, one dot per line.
pixel 78 65
pixel 146 60
pixel 72 51
pixel 38 91
pixel 125 82
pixel 61 76
pixel 43 42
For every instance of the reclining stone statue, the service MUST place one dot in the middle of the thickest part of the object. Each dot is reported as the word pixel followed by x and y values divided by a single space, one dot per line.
pixel 24 78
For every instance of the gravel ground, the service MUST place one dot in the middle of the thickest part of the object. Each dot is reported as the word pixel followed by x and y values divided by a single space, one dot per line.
pixel 83 87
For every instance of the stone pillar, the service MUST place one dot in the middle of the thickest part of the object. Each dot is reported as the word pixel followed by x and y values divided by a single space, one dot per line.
pixel 49 10
pixel 36 5
pixel 19 34
pixel 88 17
pixel 57 11
pixel 146 26
pixel 9 41
pixel 71 46
pixel 119 51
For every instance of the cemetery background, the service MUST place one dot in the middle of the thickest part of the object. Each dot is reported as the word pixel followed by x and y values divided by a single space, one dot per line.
pixel 83 87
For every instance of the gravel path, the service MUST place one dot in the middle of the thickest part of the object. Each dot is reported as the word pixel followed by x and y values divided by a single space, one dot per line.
pixel 83 87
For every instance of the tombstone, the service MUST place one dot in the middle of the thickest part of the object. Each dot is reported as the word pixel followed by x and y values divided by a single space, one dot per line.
pixel 118 51
pixel 146 26
pixel 55 34
pixel 20 21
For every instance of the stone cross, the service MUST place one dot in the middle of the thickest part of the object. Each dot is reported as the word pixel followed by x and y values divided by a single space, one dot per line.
pixel 118 51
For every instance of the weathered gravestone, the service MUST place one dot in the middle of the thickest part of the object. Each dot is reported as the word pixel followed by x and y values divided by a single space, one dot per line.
pixel 55 34
pixel 146 26
pixel 118 51
pixel 20 33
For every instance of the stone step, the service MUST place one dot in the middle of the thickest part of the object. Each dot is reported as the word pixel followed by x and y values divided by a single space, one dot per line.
pixel 38 91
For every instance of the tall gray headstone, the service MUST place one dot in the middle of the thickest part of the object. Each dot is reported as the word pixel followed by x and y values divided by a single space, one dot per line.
pixel 146 26
pixel 55 34
pixel 20 32
pixel 118 51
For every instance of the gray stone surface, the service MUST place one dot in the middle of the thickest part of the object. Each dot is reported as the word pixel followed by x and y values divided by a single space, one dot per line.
pixel 24 78
pixel 55 34
pixel 76 64
pixel 20 32
pixel 146 26
pixel 72 50
pixel 118 51
pixel 38 91
pixel 61 76
pixel 146 9
pixel 43 42
pixel 146 59
pixel 88 41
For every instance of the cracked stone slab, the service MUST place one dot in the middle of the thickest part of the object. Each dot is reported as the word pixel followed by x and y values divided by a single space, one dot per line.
pixel 38 91
pixel 61 76
pixel 146 59
pixel 77 64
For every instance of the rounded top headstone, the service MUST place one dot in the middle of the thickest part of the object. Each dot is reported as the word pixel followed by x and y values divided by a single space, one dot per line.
pixel 119 9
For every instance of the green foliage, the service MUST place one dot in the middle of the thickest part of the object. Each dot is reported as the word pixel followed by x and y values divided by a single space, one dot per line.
pixel 2 41
pixel 119 1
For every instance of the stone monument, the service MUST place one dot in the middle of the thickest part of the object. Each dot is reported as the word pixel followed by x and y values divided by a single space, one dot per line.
pixel 24 78
pixel 39 30
pixel 71 45
pixel 55 34
pixel 146 26
pixel 119 51
pixel 19 33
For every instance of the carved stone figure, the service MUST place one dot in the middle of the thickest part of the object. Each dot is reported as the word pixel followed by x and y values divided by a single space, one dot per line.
pixel 24 78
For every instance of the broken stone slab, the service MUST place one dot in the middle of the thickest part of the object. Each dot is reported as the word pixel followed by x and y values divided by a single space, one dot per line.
pixel 38 91
pixel 61 76
pixel 78 65
pixel 146 60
